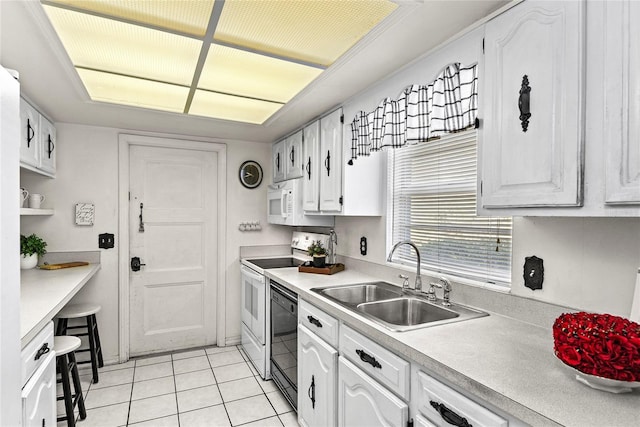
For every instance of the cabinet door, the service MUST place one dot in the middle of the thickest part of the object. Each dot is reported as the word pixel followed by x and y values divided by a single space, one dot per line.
pixel 532 130
pixel 39 396
pixel 364 402
pixel 293 156
pixel 278 161
pixel 622 95
pixel 47 146
pixel 317 380
pixel 331 158
pixel 29 135
pixel 311 168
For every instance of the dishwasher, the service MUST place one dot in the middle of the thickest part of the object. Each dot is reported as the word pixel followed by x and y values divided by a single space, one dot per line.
pixel 284 341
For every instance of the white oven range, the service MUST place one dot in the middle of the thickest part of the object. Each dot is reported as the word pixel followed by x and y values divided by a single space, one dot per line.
pixel 256 333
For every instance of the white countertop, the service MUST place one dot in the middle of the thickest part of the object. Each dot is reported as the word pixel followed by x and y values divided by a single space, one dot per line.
pixel 43 293
pixel 505 362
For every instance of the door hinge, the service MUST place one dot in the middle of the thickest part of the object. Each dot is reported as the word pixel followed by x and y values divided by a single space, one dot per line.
pixel 340 200
pixel 483 45
pixel 342 118
pixel 129 195
pixel 481 187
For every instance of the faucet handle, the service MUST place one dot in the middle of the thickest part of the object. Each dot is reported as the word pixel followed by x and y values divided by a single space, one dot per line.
pixel 405 283
pixel 431 293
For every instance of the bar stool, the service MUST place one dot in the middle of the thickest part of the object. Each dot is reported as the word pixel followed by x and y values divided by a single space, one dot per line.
pixel 66 364
pixel 88 312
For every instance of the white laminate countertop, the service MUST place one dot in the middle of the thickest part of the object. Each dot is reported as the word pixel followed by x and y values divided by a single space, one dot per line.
pixel 508 363
pixel 43 293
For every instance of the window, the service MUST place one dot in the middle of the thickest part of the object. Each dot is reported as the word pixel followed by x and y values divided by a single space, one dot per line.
pixel 433 204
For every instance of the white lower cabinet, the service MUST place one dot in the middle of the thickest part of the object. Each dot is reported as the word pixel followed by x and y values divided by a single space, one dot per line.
pixel 39 396
pixel 436 404
pixel 364 402
pixel 317 380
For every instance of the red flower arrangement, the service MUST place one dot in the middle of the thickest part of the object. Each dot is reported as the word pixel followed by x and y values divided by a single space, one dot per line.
pixel 599 344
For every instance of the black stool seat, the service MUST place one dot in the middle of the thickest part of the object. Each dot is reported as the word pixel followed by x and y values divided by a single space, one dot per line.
pixel 66 365
pixel 87 312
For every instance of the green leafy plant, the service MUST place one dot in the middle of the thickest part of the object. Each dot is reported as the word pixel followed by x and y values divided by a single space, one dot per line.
pixel 32 245
pixel 316 248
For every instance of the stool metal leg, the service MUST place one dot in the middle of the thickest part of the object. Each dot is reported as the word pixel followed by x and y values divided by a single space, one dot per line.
pixel 92 347
pixel 79 397
pixel 98 345
pixel 63 367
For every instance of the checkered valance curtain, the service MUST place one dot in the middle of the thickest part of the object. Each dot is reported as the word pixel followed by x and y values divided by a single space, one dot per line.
pixel 448 104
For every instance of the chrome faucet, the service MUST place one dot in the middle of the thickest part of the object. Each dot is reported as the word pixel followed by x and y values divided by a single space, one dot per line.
pixel 446 288
pixel 331 246
pixel 418 285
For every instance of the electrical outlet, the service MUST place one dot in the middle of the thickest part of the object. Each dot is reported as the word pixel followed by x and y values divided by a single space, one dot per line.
pixel 533 273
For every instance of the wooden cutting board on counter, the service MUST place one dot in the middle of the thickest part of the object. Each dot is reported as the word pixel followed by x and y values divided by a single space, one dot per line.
pixel 328 269
pixel 62 265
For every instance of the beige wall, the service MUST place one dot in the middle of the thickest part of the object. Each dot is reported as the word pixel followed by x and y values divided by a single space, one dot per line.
pixel 88 172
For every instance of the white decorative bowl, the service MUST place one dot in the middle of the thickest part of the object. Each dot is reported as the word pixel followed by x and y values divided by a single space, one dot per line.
pixel 606 384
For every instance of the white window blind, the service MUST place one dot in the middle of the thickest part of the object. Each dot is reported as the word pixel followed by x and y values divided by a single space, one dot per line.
pixel 433 192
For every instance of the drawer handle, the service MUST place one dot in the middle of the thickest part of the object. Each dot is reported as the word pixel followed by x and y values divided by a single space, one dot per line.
pixel 450 416
pixel 42 351
pixel 367 358
pixel 523 103
pixel 314 321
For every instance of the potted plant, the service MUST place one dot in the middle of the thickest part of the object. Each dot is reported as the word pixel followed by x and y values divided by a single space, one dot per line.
pixel 30 248
pixel 318 252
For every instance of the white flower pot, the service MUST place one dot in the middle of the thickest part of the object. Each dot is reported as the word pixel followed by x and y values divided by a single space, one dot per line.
pixel 28 261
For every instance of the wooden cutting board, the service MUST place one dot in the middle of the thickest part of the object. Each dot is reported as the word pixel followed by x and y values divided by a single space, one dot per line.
pixel 63 265
pixel 329 269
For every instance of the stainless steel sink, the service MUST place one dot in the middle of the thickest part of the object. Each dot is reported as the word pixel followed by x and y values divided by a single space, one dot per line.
pixel 395 309
pixel 366 292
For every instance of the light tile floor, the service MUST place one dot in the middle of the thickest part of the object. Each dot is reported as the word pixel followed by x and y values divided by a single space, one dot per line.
pixel 212 386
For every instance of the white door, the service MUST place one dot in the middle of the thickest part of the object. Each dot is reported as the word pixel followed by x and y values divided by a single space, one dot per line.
pixel 331 162
pixel 311 170
pixel 172 230
pixel 534 56
pixel 364 402
pixel 317 380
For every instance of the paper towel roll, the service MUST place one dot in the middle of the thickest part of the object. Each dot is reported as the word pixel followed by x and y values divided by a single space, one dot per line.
pixel 635 303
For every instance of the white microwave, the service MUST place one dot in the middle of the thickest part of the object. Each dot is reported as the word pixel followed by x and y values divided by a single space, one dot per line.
pixel 284 206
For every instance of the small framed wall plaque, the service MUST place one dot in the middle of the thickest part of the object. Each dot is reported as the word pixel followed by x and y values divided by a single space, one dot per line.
pixel 85 213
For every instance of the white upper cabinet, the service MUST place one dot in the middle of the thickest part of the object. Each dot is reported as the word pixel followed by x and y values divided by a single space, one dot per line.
pixel 293 156
pixel 331 162
pixel 622 95
pixel 37 141
pixel 532 116
pixel 311 170
pixel 278 161
pixel 47 146
pixel 29 135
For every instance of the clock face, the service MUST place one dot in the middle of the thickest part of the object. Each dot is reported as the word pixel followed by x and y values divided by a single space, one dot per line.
pixel 250 174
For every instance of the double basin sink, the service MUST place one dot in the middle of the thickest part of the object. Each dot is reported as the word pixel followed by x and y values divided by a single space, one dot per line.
pixel 394 308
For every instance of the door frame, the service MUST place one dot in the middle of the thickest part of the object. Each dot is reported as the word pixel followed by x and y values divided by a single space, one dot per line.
pixel 126 140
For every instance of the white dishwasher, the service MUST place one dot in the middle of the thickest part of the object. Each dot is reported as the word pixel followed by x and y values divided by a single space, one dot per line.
pixel 39 380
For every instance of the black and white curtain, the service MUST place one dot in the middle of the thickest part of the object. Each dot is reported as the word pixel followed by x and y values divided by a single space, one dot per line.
pixel 448 104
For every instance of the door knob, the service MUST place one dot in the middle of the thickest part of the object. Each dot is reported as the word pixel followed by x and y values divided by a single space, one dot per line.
pixel 136 264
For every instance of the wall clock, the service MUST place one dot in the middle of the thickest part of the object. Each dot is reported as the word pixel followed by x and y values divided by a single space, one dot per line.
pixel 250 174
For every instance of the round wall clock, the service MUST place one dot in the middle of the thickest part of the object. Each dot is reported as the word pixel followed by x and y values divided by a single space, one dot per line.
pixel 250 174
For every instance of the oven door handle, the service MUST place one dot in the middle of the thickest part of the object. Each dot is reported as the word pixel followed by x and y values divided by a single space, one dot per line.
pixel 250 273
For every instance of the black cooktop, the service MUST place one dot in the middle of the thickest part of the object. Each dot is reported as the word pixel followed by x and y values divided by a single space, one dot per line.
pixel 267 263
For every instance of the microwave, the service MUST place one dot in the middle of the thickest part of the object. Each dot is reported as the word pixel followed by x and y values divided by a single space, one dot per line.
pixel 284 206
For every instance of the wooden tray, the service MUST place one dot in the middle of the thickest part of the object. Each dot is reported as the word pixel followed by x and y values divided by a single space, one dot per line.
pixel 63 265
pixel 328 269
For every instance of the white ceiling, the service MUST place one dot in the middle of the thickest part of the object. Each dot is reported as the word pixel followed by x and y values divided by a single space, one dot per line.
pixel 29 45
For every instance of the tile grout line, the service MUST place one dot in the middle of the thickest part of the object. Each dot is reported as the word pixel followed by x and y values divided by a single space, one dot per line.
pixel 218 387
pixel 175 388
pixel 133 382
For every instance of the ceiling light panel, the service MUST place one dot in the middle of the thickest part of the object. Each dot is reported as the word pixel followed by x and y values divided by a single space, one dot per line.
pixel 117 47
pixel 136 92
pixel 184 16
pixel 227 107
pixel 249 74
pixel 315 31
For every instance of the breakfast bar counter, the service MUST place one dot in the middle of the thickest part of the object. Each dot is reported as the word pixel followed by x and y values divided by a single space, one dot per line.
pixel 43 293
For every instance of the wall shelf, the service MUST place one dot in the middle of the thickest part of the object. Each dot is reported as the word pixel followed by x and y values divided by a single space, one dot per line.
pixel 31 211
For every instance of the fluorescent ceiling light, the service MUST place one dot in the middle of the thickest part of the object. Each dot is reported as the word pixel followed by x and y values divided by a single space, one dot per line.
pixel 234 60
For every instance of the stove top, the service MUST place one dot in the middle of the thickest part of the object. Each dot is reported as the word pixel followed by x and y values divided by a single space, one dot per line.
pixel 266 263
